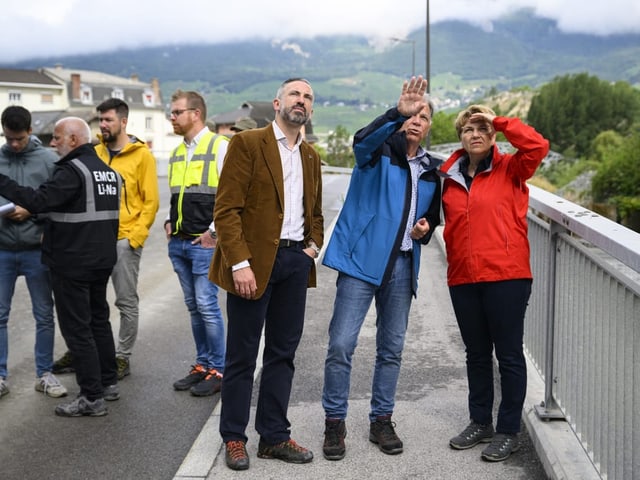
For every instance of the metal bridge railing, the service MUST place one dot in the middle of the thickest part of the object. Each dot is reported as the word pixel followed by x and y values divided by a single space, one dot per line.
pixel 582 330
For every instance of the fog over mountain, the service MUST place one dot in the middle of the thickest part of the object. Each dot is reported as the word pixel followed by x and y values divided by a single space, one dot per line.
pixel 40 28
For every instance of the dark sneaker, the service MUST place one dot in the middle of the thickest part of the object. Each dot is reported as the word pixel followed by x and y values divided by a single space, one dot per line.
pixel 502 445
pixel 197 373
pixel 123 367
pixel 335 432
pixel 474 434
pixel 63 365
pixel 235 454
pixel 287 451
pixel 209 385
pixel 111 393
pixel 382 432
pixel 82 406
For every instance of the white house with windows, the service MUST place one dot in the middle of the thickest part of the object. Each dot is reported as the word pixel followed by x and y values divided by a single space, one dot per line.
pixel 52 93
pixel 32 89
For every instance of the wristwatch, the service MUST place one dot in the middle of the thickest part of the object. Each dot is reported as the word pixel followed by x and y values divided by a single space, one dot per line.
pixel 213 233
pixel 315 248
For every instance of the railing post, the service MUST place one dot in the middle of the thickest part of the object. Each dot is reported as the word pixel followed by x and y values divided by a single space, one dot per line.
pixel 548 408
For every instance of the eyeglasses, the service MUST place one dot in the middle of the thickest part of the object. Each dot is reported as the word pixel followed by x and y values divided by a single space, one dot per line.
pixel 177 113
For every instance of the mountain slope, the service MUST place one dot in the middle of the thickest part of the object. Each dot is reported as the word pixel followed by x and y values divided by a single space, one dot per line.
pixel 466 62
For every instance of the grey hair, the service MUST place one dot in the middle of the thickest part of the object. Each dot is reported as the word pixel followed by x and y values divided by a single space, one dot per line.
pixel 76 126
pixel 288 81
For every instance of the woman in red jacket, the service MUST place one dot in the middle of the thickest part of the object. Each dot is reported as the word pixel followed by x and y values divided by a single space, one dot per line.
pixel 485 200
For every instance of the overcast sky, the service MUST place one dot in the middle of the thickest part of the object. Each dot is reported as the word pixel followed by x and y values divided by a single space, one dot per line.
pixel 35 28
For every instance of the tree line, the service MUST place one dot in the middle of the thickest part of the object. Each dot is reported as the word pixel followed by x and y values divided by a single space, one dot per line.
pixel 594 124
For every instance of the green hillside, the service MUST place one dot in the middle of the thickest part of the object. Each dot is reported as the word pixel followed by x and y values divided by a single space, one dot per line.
pixel 354 80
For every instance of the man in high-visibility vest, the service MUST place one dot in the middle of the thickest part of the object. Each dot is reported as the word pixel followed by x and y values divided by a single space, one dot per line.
pixel 194 169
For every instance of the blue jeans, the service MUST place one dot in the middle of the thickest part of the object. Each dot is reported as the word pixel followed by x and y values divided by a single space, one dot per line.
pixel 36 274
pixel 191 264
pixel 353 298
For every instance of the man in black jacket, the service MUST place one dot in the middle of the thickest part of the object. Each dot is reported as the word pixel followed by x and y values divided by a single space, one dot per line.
pixel 82 201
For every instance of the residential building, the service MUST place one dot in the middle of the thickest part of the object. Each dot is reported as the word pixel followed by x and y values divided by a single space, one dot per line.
pixel 31 89
pixel 52 93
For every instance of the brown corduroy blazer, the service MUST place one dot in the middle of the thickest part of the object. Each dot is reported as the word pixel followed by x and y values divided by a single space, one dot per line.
pixel 249 207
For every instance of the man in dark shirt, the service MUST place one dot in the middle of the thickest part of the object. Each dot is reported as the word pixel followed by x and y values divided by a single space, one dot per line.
pixel 82 201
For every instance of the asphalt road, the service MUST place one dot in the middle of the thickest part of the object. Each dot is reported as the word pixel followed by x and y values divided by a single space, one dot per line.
pixel 149 432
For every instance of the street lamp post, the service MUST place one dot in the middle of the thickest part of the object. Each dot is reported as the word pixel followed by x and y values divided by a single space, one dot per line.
pixel 428 56
pixel 413 52
pixel 428 68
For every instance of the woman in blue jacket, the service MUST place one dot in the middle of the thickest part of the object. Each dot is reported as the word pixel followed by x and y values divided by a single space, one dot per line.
pixel 391 209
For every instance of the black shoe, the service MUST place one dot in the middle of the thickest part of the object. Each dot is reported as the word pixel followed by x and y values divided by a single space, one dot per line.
pixel 235 454
pixel 209 385
pixel 287 451
pixel 471 436
pixel 502 445
pixel 382 432
pixel 335 432
pixel 196 374
pixel 123 367
pixel 63 365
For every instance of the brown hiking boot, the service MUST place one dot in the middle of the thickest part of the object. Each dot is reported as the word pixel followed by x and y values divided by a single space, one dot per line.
pixel 334 433
pixel 235 454
pixel 287 451
pixel 123 367
pixel 382 432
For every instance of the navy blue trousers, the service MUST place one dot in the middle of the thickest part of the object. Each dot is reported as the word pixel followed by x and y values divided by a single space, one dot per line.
pixel 281 311
pixel 491 315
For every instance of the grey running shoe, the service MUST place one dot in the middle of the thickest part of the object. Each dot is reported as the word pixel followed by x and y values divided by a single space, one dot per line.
pixel 123 367
pixel 111 393
pixel 502 445
pixel 4 388
pixel 474 434
pixel 50 386
pixel 382 432
pixel 82 406
pixel 63 365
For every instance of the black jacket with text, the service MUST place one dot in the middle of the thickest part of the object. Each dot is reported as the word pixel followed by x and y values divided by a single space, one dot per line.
pixel 82 203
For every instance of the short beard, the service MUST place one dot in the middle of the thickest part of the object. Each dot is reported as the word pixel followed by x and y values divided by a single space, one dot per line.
pixel 109 137
pixel 295 118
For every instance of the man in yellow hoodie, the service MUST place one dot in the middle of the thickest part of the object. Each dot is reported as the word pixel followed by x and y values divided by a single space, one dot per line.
pixel 139 203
